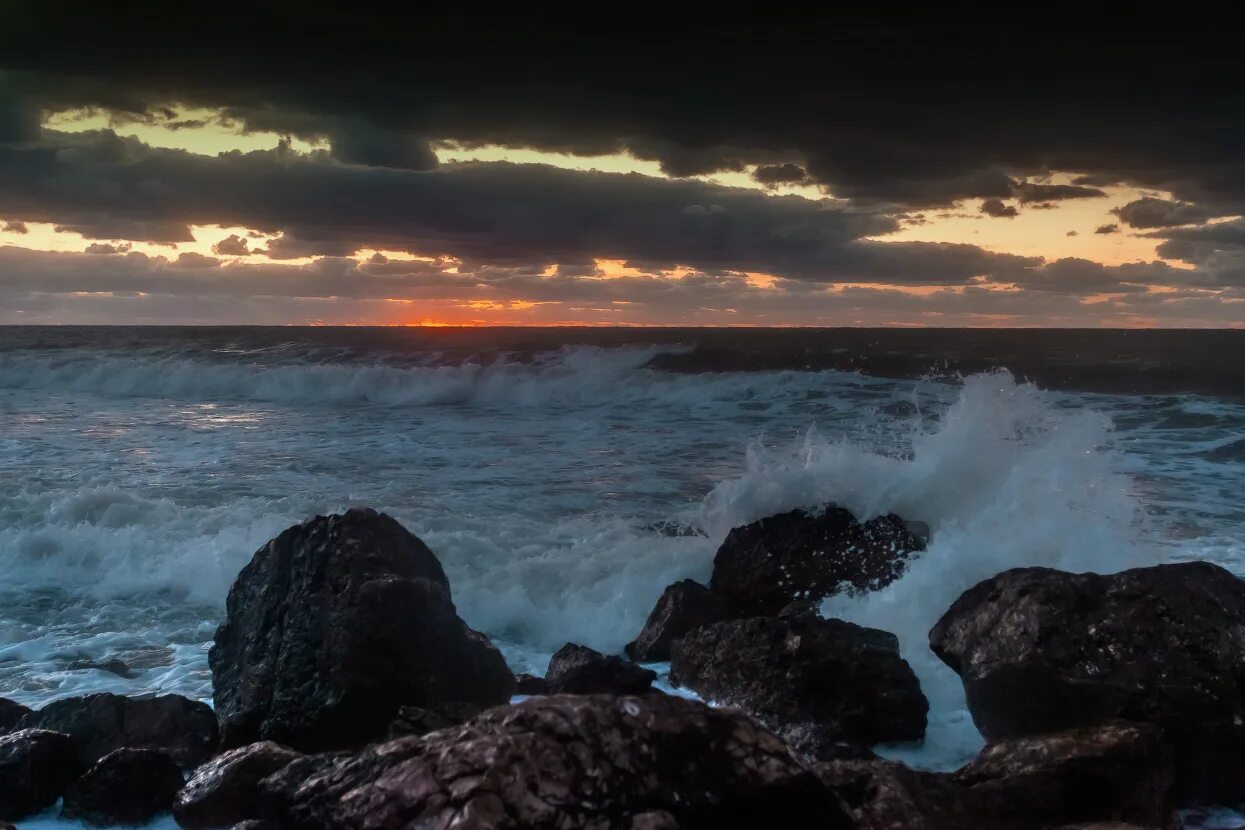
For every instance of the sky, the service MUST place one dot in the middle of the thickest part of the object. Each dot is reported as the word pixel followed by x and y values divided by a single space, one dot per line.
pixel 331 163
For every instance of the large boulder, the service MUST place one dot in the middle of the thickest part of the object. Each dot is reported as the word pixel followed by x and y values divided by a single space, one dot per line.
pixel 1041 651
pixel 809 555
pixel 805 669
pixel 1115 772
pixel 11 714
pixel 413 721
pixel 36 766
pixel 129 786
pixel 333 626
pixel 593 762
pixel 682 607
pixel 225 790
pixel 882 795
pixel 101 723
pixel 578 670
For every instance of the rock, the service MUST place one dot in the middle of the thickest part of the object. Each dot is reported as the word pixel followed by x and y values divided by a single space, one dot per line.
pixel 11 714
pixel 816 742
pixel 530 684
pixel 578 670
pixel 806 669
pixel 1115 772
pixel 599 762
pixel 683 607
pixel 881 795
pixel 118 667
pixel 102 723
pixel 225 790
pixel 413 721
pixel 254 824
pixel 129 786
pixel 36 766
pixel 333 626
pixel 762 566
pixel 1041 650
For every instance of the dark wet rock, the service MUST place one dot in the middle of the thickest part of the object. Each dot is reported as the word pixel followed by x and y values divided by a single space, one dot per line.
pixel 817 742
pixel 881 795
pixel 11 714
pixel 129 786
pixel 225 790
pixel 1042 651
pixel 1115 772
pixel 806 669
pixel 104 722
pixel 333 626
pixel 578 670
pixel 682 607
pixel 254 824
pixel 599 762
pixel 36 766
pixel 530 684
pixel 762 566
pixel 118 667
pixel 413 721
pixel 4 825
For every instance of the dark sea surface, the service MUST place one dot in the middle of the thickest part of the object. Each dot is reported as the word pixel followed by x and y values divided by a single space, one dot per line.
pixel 565 476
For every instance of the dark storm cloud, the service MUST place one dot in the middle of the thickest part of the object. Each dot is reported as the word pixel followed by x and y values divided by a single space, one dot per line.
pixel 999 210
pixel 776 174
pixel 232 245
pixel 15 227
pixel 877 108
pixel 1105 229
pixel 1028 192
pixel 495 213
pixel 1161 213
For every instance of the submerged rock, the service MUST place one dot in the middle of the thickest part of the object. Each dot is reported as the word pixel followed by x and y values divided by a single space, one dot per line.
pixel 1041 651
pixel 36 765
pixel 225 790
pixel 577 761
pixel 578 670
pixel 129 786
pixel 11 714
pixel 530 684
pixel 333 626
pixel 682 607
pixel 413 721
pixel 104 722
pixel 118 667
pixel 797 670
pixel 763 566
pixel 1115 772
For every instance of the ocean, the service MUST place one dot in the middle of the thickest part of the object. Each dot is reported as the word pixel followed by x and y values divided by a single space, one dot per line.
pixel 564 477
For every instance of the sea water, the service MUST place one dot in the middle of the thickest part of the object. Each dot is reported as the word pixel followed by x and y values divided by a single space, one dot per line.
pixel 563 480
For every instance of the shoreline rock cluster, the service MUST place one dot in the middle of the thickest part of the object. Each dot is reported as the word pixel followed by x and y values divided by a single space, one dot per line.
pixel 349 694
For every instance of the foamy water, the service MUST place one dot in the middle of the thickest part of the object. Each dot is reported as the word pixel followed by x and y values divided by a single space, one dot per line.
pixel 563 489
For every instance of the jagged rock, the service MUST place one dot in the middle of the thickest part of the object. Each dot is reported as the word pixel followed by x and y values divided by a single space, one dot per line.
pixel 1115 772
pixel 805 669
pixel 333 626
pixel 225 790
pixel 881 795
pixel 11 714
pixel 102 723
pixel 413 721
pixel 1041 650
pixel 682 607
pixel 578 670
pixel 817 742
pixel 598 762
pixel 36 765
pixel 129 786
pixel 254 824
pixel 118 667
pixel 530 684
pixel 762 566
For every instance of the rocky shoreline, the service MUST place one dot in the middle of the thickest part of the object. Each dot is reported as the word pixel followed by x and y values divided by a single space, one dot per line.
pixel 348 693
